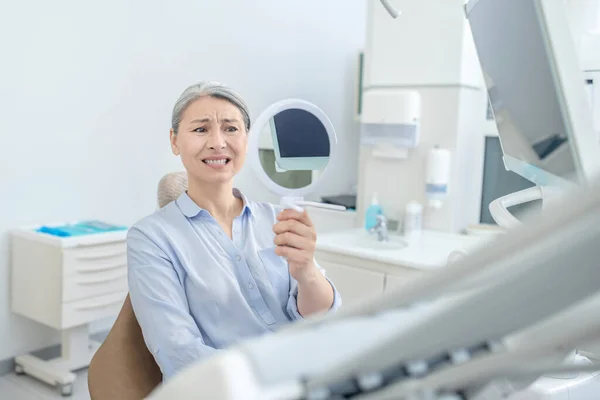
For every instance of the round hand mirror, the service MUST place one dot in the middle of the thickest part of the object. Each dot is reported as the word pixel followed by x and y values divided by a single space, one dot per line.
pixel 291 148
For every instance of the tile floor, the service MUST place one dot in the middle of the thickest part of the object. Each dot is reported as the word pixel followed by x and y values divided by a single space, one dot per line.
pixel 22 387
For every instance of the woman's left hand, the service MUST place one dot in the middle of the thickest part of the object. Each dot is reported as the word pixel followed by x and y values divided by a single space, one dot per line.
pixel 296 239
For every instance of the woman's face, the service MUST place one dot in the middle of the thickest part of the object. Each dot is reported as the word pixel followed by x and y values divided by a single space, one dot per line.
pixel 211 140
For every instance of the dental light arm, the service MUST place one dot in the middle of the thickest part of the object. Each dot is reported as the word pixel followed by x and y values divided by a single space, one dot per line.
pixel 390 8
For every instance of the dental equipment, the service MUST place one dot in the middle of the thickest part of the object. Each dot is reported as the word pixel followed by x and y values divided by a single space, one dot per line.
pixel 463 330
pixel 538 76
pixel 394 13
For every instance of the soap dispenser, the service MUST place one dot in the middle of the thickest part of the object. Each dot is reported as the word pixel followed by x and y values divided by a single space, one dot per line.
pixel 372 212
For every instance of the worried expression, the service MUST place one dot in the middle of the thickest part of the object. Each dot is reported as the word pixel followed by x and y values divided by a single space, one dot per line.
pixel 211 140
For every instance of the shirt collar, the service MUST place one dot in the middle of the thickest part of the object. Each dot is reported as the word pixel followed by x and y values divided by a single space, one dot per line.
pixel 190 209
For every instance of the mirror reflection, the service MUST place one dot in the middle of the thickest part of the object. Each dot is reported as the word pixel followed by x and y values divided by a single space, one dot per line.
pixel 294 148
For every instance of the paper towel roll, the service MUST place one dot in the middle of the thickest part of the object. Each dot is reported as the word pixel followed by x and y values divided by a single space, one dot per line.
pixel 437 176
pixel 438 166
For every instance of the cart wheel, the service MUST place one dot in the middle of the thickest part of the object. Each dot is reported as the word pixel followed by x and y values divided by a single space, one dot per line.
pixel 66 389
pixel 19 370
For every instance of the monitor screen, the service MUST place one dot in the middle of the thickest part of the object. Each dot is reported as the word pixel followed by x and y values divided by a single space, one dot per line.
pixel 300 134
pixel 528 74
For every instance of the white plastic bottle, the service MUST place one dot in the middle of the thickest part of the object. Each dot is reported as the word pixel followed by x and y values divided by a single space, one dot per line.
pixel 413 219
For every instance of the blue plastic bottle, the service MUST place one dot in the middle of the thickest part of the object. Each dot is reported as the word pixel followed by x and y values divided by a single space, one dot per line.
pixel 372 212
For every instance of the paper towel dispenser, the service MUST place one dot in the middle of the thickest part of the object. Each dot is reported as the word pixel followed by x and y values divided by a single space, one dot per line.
pixel 391 121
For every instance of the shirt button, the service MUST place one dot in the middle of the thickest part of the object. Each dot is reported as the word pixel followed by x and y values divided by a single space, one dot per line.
pixel 251 285
pixel 238 258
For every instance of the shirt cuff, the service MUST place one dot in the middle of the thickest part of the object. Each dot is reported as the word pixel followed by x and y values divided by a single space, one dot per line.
pixel 292 306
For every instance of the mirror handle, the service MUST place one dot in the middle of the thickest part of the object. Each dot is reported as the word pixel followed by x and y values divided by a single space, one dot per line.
pixel 288 202
pixel 296 203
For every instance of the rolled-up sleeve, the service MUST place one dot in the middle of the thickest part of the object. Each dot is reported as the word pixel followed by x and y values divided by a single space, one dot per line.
pixel 161 307
pixel 292 304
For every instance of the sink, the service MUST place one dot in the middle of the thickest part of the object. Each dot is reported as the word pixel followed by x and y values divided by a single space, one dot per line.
pixel 370 242
pixel 428 251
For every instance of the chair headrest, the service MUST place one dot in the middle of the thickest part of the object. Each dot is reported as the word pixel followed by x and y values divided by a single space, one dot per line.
pixel 171 186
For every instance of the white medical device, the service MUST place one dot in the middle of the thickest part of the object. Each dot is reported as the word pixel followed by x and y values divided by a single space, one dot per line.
pixel 536 90
pixel 492 322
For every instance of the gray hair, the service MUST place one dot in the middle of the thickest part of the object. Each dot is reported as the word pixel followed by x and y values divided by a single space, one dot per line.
pixel 211 89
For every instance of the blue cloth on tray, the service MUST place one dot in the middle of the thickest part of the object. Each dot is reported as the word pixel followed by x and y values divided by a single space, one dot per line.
pixel 80 229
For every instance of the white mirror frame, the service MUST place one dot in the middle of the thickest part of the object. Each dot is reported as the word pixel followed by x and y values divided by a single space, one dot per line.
pixel 254 140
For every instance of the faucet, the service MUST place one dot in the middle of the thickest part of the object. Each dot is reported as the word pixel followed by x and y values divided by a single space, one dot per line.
pixel 381 229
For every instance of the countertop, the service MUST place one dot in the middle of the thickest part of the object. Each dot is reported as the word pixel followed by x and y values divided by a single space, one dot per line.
pixel 429 251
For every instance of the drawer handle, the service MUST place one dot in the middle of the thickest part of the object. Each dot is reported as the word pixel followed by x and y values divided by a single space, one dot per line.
pixel 100 281
pixel 101 268
pixel 99 305
pixel 99 256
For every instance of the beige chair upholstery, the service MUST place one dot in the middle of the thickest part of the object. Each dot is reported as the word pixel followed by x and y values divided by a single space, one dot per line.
pixel 123 368
pixel 170 187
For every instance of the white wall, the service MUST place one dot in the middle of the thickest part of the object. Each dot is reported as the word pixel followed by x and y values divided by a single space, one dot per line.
pixel 86 91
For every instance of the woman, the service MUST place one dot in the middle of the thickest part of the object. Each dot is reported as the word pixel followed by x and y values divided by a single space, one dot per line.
pixel 210 269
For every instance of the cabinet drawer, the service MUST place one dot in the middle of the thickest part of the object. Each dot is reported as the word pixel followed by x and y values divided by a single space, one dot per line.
pixel 90 284
pixel 354 284
pixel 97 258
pixel 85 311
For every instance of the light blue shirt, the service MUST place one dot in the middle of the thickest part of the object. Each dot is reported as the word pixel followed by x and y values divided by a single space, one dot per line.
pixel 195 291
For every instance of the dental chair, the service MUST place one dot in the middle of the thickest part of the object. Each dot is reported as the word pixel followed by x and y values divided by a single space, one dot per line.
pixel 123 368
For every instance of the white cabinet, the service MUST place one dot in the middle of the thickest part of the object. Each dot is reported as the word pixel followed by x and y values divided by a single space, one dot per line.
pixel 354 284
pixel 430 44
pixel 362 270
pixel 65 287
pixel 393 282
pixel 67 283
pixel 593 92
pixel 357 279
